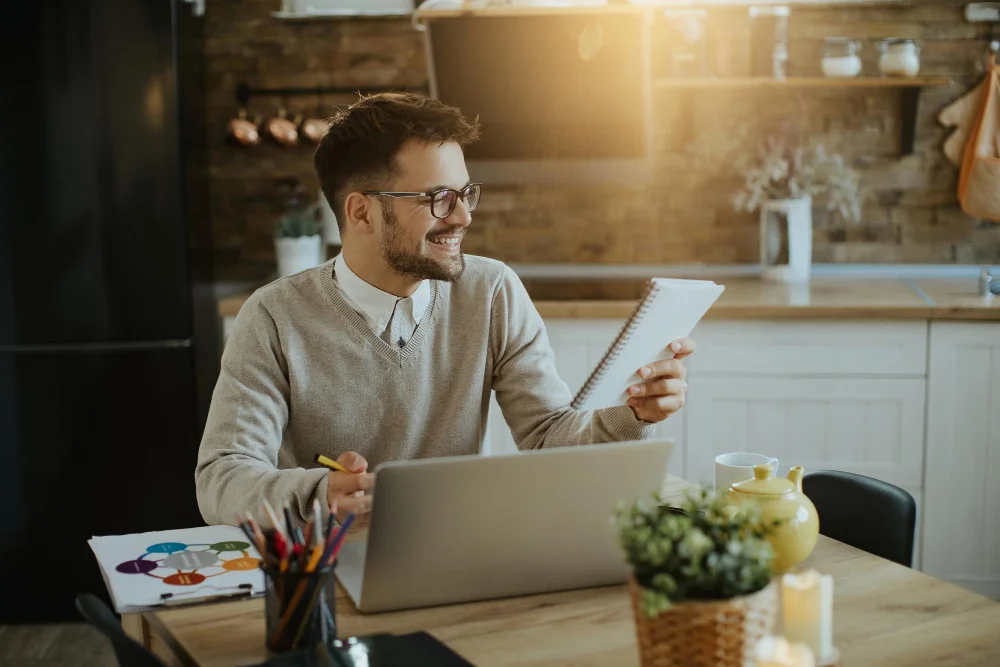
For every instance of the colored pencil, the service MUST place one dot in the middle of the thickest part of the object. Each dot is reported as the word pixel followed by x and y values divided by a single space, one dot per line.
pixel 261 541
pixel 294 532
pixel 330 463
pixel 317 521
pixel 297 565
pixel 245 527
pixel 273 518
pixel 331 553
pixel 306 548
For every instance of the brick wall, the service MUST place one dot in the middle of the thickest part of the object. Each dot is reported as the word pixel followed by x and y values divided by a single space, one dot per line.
pixel 683 216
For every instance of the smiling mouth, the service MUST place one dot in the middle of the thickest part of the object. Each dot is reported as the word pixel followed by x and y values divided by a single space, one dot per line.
pixel 449 241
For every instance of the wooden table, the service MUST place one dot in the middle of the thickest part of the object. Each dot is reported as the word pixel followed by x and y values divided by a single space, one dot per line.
pixel 884 614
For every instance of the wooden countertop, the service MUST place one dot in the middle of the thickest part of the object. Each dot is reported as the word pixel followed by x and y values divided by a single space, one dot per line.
pixel 750 298
pixel 884 615
pixel 959 300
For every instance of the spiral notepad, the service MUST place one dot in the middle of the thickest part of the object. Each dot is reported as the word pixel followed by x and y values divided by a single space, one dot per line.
pixel 669 309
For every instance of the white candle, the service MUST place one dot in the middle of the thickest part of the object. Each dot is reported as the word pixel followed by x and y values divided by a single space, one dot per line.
pixel 807 608
pixel 777 652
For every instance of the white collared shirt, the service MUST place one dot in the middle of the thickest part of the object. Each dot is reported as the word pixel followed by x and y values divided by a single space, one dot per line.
pixel 377 307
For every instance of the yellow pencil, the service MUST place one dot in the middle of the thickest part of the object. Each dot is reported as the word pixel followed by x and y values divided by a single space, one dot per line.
pixel 330 463
pixel 317 552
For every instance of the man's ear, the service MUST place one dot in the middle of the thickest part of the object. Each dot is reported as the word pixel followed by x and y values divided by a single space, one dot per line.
pixel 359 210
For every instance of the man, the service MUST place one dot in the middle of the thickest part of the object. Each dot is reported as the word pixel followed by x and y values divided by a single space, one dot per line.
pixel 390 351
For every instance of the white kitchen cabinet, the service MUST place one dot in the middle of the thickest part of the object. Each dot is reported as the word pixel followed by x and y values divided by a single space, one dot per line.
pixel 870 426
pixel 845 395
pixel 961 540
pixel 809 348
pixel 578 345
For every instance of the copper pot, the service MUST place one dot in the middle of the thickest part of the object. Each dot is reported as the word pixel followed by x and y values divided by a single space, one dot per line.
pixel 282 129
pixel 242 130
pixel 314 129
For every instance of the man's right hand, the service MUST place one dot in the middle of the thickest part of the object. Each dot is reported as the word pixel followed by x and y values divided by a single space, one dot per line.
pixel 347 490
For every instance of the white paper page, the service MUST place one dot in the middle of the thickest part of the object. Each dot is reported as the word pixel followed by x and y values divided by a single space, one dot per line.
pixel 677 306
pixel 192 562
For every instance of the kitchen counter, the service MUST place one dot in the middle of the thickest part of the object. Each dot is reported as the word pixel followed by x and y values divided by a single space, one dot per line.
pixel 959 300
pixel 751 298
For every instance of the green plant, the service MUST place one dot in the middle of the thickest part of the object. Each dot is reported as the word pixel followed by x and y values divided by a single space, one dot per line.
pixel 297 222
pixel 703 550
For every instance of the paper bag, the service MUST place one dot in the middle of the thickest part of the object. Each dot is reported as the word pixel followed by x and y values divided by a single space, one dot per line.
pixel 979 180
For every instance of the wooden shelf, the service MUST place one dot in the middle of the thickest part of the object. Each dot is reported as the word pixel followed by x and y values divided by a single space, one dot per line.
pixel 479 8
pixel 345 15
pixel 805 82
pixel 447 13
pixel 910 88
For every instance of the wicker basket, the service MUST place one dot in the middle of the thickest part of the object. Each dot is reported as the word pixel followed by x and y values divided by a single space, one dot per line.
pixel 722 633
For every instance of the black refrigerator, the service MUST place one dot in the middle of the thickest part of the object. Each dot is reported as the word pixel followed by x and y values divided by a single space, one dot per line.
pixel 98 420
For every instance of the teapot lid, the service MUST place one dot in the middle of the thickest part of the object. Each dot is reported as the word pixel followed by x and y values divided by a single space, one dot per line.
pixel 763 483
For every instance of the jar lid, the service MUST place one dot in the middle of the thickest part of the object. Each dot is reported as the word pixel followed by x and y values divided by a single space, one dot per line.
pixel 763 483
pixel 684 12
pixel 841 40
pixel 759 10
pixel 892 41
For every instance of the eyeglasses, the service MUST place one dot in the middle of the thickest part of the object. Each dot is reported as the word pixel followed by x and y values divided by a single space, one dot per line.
pixel 443 201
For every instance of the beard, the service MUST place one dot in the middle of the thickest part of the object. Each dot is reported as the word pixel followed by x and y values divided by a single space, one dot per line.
pixel 416 263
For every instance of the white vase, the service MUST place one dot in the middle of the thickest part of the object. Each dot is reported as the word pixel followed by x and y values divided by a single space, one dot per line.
pixel 298 254
pixel 786 240
pixel 328 219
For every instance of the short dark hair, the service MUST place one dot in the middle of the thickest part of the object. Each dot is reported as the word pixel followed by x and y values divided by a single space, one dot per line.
pixel 359 150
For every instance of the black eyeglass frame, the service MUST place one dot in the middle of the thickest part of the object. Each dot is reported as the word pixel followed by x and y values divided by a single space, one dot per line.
pixel 433 194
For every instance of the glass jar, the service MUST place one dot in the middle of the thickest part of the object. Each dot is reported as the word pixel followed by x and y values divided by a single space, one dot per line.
pixel 840 57
pixel 684 42
pixel 899 57
pixel 769 41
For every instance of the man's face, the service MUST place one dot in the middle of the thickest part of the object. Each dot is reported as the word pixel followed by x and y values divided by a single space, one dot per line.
pixel 413 242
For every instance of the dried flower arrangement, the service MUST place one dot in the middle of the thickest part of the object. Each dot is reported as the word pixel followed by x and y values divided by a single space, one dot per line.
pixel 784 169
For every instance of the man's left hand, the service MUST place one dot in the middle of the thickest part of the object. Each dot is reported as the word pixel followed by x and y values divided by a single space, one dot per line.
pixel 661 393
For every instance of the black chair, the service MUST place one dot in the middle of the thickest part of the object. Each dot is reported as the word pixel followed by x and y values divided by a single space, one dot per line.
pixel 864 512
pixel 129 652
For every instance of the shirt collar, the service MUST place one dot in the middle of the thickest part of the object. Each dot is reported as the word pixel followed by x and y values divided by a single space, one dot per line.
pixel 374 302
pixel 420 299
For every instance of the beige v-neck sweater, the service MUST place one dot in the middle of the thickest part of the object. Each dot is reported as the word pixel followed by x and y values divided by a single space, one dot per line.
pixel 302 373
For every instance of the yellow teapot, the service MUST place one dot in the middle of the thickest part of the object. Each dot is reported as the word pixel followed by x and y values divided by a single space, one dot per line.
pixel 783 499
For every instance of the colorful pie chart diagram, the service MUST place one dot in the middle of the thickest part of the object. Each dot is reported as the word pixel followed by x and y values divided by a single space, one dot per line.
pixel 179 564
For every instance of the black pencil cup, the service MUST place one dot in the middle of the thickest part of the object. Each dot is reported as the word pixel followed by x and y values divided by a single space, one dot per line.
pixel 300 609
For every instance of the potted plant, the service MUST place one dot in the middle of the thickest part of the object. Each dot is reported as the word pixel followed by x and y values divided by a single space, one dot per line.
pixel 701 585
pixel 781 181
pixel 297 241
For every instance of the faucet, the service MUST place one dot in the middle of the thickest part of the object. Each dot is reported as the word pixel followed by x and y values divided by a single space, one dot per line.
pixel 987 284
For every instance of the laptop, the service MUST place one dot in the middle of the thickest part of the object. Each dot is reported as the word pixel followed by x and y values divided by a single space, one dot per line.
pixel 463 528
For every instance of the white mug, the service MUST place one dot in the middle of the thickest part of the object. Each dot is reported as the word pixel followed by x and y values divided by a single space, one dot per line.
pixel 737 466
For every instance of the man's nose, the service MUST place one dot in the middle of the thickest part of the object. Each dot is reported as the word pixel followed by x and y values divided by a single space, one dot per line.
pixel 461 216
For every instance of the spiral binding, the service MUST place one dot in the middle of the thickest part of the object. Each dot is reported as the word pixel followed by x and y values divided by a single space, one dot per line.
pixel 615 349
